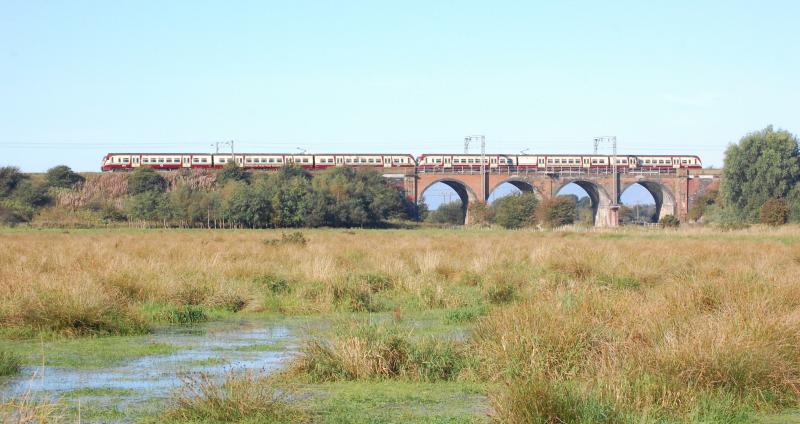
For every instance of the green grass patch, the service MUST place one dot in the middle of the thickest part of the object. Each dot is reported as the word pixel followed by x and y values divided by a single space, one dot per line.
pixel 85 352
pixel 99 392
pixel 398 402
pixel 10 363
pixel 261 347
pixel 465 315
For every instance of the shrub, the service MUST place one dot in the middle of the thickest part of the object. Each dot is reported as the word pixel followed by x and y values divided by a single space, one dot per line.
pixel 10 363
pixel 62 176
pixel 516 211
pixel 232 172
pixel 448 213
pixel 774 212
pixel 669 221
pixel 274 283
pixel 144 180
pixel 295 237
pixel 558 211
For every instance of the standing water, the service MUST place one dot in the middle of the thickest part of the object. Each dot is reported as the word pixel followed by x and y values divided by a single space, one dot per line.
pixel 213 349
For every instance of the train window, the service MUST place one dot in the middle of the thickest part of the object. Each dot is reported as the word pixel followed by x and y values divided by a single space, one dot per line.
pixel 160 160
pixel 125 160
pixel 249 160
pixel 549 160
pixel 683 161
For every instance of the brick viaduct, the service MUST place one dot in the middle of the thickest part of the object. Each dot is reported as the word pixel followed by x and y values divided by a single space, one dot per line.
pixel 673 190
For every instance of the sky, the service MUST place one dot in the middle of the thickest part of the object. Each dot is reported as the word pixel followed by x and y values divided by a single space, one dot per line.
pixel 82 78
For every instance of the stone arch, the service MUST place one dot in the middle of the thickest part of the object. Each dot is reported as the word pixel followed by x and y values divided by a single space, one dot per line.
pixel 665 200
pixel 519 183
pixel 601 201
pixel 464 192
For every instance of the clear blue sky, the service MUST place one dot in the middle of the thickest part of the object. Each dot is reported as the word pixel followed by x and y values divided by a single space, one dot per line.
pixel 79 78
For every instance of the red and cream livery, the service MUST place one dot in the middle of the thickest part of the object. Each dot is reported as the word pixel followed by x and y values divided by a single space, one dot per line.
pixel 425 162
pixel 167 161
pixel 554 161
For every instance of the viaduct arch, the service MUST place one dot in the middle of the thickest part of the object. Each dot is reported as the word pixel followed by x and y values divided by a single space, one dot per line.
pixel 673 192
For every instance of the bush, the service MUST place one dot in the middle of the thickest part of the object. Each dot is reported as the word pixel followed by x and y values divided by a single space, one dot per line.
pixel 292 238
pixel 62 176
pixel 232 172
pixel 558 211
pixel 274 283
pixel 10 363
pixel 144 180
pixel 774 212
pixel 448 213
pixel 669 221
pixel 516 211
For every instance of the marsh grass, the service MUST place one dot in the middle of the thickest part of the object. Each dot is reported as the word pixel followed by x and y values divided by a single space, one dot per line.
pixel 634 325
pixel 239 397
pixel 377 351
pixel 10 363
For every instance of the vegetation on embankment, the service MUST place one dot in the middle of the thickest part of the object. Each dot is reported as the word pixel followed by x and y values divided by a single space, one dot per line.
pixel 615 326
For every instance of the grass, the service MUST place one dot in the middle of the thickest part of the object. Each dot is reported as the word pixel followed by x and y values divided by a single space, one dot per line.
pixel 379 351
pixel 10 363
pixel 239 398
pixel 633 325
pixel 85 352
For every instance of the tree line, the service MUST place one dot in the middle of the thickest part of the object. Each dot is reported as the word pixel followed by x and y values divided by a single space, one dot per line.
pixel 290 197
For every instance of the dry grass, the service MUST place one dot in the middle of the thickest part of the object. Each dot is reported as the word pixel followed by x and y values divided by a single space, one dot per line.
pixel 684 325
pixel 240 397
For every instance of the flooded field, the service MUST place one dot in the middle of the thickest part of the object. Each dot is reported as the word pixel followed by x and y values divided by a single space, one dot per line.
pixel 138 384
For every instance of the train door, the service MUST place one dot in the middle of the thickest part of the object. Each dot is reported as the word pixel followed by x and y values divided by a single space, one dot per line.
pixel 186 162
pixel 135 162
pixel 240 160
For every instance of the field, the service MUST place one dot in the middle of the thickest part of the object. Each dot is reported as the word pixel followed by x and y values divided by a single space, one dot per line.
pixel 435 326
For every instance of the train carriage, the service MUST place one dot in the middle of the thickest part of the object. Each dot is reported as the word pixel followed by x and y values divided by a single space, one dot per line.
pixel 425 162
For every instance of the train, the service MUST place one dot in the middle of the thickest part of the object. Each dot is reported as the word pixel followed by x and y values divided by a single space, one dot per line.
pixel 424 162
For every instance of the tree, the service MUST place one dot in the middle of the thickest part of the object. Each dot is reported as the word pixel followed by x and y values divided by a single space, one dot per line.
pixel 149 206
pixel 62 176
pixel 348 197
pixel 763 165
pixel 10 178
pixel 448 213
pixel 249 206
pixel 144 180
pixel 701 203
pixel 232 172
pixel 290 194
pixel 516 211
pixel 558 211
pixel 774 212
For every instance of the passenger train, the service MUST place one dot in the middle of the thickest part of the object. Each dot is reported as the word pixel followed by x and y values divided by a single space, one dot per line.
pixel 425 162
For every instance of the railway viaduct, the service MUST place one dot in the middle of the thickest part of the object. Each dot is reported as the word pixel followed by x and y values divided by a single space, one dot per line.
pixel 673 190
